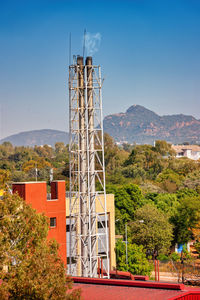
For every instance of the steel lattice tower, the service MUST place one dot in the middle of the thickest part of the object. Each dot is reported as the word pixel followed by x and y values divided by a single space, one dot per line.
pixel 87 171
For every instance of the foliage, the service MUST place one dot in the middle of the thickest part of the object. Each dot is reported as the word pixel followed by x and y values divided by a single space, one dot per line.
pixel 197 247
pixel 183 256
pixel 22 161
pixel 30 266
pixel 163 257
pixel 169 180
pixel 186 218
pixel 175 256
pixel 164 148
pixel 151 229
pixel 166 202
pixel 192 181
pixel 127 199
pixel 137 261
pixel 144 158
pixel 4 178
pixel 32 164
pixel 114 157
pixel 186 192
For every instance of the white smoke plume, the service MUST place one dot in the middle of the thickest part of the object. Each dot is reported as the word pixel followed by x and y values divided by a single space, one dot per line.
pixel 92 43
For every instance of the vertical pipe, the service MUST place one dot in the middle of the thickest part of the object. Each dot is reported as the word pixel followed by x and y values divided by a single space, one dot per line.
pixel 82 161
pixel 70 179
pixel 98 267
pixel 158 270
pixel 126 247
pixel 90 107
pixel 101 267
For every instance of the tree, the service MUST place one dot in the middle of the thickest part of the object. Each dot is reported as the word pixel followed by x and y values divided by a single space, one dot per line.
pixel 127 199
pixel 44 151
pixel 166 202
pixel 114 156
pixel 192 181
pixel 40 163
pixel 137 261
pixel 4 178
pixel 183 166
pixel 164 148
pixel 169 180
pixel 144 157
pixel 59 147
pixel 30 266
pixel 186 218
pixel 151 229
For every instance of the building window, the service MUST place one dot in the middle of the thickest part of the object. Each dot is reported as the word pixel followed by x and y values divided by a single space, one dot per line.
pixel 52 222
pixel 102 224
pixel 73 260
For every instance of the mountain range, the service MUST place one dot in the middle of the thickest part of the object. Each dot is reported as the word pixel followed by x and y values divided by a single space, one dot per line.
pixel 137 125
pixel 143 126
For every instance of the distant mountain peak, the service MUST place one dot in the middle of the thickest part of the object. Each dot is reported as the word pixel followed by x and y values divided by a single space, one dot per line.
pixel 141 125
pixel 136 108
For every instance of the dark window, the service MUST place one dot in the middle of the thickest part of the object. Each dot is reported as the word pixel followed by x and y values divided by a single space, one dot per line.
pixel 52 222
pixel 73 261
pixel 73 227
pixel 102 224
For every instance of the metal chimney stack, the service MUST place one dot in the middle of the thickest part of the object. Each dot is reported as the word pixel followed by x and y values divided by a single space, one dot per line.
pixel 83 166
pixel 88 243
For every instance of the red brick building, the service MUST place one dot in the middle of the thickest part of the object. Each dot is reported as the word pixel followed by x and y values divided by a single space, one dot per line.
pixel 54 207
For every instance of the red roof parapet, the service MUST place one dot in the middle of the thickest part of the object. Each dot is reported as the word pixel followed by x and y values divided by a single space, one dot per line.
pixel 133 283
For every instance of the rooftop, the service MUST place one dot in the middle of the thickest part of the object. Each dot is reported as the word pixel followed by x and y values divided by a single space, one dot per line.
pixel 95 289
pixel 179 148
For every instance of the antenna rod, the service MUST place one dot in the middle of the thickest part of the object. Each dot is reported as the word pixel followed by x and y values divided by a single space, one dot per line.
pixel 84 43
pixel 70 46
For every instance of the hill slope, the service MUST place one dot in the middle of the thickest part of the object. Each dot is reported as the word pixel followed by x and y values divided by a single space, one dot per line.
pixel 37 137
pixel 142 125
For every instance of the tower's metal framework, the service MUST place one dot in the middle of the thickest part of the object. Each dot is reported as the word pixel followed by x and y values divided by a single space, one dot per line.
pixel 87 171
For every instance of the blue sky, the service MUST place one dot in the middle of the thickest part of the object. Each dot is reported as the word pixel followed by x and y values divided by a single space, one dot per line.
pixel 149 53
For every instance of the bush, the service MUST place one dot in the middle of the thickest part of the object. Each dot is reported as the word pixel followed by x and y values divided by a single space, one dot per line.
pixel 137 261
pixel 163 257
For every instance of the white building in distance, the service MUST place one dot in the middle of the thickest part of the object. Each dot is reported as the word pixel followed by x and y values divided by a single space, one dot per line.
pixel 189 151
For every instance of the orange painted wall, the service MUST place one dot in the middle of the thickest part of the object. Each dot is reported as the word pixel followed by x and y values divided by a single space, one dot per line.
pixel 57 208
pixel 35 193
